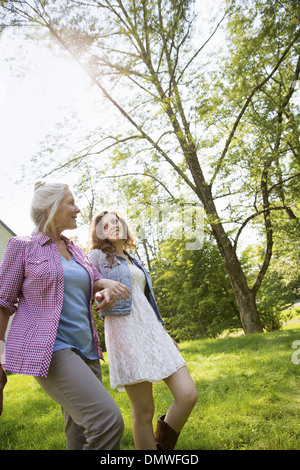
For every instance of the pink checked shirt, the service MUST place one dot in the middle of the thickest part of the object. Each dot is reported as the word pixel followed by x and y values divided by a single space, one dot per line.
pixel 31 275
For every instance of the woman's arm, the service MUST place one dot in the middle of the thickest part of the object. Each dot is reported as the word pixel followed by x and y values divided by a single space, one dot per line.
pixel 4 317
pixel 119 290
pixel 108 291
pixel 11 279
pixel 12 274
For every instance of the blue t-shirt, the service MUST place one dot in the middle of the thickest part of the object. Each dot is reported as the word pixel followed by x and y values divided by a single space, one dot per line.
pixel 74 328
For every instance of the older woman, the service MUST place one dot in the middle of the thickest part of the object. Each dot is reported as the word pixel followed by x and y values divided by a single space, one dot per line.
pixel 53 335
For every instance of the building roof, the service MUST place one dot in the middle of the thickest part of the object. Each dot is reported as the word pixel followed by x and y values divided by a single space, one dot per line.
pixel 7 228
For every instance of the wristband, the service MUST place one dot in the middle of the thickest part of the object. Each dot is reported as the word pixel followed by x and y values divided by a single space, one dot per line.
pixel 2 344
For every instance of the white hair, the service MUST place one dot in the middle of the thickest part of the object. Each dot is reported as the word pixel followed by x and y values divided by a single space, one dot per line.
pixel 45 202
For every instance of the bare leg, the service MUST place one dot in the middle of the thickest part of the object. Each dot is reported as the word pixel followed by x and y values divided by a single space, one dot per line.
pixel 142 404
pixel 185 395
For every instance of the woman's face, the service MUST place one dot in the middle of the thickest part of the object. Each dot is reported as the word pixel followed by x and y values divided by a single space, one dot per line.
pixel 65 217
pixel 111 228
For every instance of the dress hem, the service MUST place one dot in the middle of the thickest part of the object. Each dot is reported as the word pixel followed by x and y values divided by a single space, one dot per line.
pixel 121 388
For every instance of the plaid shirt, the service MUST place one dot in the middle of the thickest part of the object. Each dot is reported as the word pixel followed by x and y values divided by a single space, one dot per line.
pixel 31 275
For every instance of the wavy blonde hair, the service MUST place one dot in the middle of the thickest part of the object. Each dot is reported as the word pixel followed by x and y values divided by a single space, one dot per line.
pixel 96 242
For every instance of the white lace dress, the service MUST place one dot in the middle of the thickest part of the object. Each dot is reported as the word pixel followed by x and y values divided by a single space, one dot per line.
pixel 139 348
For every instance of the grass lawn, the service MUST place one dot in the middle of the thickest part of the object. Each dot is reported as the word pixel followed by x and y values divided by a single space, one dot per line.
pixel 248 399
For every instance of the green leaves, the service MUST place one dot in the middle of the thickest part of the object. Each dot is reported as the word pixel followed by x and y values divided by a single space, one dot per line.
pixel 193 290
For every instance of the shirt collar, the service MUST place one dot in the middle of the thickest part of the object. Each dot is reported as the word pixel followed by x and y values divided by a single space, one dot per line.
pixel 67 240
pixel 42 238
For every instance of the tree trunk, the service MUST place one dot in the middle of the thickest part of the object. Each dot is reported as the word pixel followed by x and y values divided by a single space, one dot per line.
pixel 244 296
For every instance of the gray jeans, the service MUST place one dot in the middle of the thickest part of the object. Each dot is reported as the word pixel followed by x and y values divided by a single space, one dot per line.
pixel 93 420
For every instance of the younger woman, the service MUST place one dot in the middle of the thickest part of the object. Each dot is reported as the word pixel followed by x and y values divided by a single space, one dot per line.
pixel 140 351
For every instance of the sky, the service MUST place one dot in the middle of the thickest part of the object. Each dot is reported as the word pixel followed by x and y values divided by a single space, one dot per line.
pixel 37 90
pixel 33 99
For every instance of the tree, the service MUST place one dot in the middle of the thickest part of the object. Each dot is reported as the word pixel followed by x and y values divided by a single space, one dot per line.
pixel 247 93
pixel 193 290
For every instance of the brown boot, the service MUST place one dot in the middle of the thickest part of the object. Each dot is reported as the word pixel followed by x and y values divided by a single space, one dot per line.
pixel 165 437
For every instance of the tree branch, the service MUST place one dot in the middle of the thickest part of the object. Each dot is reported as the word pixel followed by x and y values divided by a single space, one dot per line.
pixel 143 174
pixel 202 47
pixel 284 181
pixel 252 216
pixel 88 153
pixel 247 102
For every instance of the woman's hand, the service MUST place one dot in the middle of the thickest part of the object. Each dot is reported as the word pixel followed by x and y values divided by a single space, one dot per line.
pixel 3 380
pixel 117 288
pixel 105 299
pixel 108 291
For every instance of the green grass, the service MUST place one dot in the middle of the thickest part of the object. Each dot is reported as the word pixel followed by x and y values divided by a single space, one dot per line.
pixel 248 399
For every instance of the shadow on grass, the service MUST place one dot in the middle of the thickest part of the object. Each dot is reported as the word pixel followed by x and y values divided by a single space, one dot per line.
pixel 248 392
pixel 252 342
